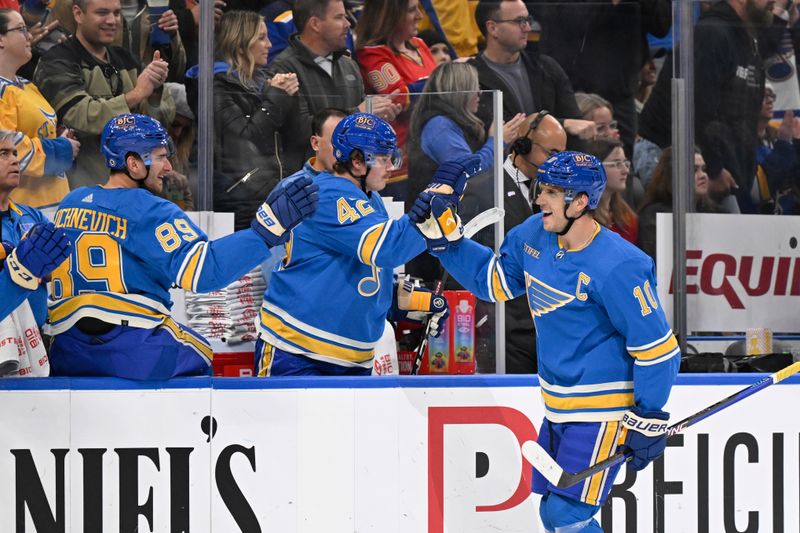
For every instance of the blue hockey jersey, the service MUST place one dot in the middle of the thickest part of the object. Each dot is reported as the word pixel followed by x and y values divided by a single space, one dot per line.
pixel 602 339
pixel 329 297
pixel 13 225
pixel 129 248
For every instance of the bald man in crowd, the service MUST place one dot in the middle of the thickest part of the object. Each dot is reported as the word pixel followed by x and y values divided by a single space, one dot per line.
pixel 539 137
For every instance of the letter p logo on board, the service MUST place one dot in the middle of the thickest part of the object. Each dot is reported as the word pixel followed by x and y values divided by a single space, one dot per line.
pixel 488 477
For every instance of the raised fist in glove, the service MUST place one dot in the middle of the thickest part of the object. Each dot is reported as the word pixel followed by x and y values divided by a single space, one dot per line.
pixel 647 435
pixel 420 302
pixel 450 179
pixel 284 209
pixel 436 218
pixel 39 252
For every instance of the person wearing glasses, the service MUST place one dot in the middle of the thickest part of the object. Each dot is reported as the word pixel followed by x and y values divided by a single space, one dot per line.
pixel 44 155
pixel 529 82
pixel 613 211
pixel 600 111
pixel 88 80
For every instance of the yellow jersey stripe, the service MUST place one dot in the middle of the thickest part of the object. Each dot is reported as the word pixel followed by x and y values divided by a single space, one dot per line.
pixel 657 351
pixel 187 278
pixel 184 337
pixel 498 286
pixel 311 344
pixel 106 302
pixel 595 401
pixel 369 243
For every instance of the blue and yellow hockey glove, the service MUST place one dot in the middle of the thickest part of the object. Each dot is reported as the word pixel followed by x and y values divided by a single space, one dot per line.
pixel 418 302
pixel 284 209
pixel 647 435
pixel 450 179
pixel 43 248
pixel 442 228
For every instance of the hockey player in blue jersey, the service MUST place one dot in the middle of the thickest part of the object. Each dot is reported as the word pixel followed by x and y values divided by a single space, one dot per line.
pixel 110 301
pixel 341 260
pixel 30 247
pixel 607 357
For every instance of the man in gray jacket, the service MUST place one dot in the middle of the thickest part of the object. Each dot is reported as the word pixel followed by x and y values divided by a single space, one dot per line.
pixel 327 75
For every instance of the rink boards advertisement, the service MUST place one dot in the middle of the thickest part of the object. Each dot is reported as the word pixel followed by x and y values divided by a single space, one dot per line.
pixel 741 271
pixel 388 455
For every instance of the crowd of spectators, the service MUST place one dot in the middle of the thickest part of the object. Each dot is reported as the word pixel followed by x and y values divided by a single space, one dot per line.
pixel 581 72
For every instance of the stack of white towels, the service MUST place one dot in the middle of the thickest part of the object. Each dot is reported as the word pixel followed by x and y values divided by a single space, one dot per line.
pixel 228 315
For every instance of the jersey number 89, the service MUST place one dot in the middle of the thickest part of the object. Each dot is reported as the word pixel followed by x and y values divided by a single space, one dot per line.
pixel 168 237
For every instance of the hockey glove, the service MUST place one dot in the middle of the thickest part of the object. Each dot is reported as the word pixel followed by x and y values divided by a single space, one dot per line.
pixel 40 252
pixel 450 179
pixel 284 209
pixel 421 208
pixel 443 227
pixel 419 302
pixel 647 435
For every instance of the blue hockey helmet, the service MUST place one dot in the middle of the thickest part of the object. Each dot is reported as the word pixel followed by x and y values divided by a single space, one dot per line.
pixel 575 173
pixel 367 133
pixel 132 133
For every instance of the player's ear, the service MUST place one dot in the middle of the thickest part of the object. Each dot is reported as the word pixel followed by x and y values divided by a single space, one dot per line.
pixel 132 162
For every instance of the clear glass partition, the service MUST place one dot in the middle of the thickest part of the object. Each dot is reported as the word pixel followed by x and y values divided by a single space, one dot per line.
pixel 613 72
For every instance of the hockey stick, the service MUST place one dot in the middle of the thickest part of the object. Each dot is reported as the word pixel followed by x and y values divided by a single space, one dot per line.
pixel 549 468
pixel 480 221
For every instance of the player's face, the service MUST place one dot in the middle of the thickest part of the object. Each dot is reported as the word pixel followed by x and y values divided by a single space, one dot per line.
pixel 159 166
pixel 617 170
pixel 440 53
pixel 511 35
pixel 16 41
pixel 99 22
pixel 259 50
pixel 379 173
pixel 9 167
pixel 322 143
pixel 408 26
pixel 551 202
pixel 333 28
